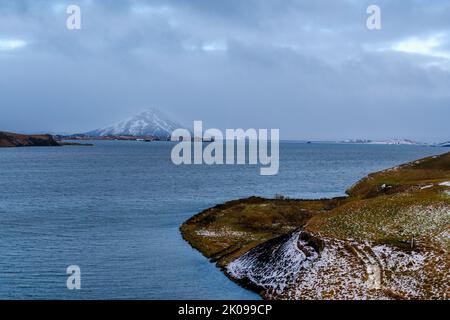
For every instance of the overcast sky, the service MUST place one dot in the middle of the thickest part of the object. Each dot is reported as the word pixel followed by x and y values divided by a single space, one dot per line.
pixel 310 68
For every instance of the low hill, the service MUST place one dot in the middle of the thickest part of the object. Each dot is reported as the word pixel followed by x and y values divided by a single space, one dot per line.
pixel 8 139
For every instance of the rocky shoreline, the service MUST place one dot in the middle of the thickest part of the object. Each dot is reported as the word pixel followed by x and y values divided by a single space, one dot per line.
pixel 12 140
pixel 388 239
pixel 8 139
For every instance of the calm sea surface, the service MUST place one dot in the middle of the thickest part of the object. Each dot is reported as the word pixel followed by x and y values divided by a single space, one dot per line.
pixel 115 209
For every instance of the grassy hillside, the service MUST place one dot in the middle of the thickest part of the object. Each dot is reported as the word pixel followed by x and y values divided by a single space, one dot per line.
pixel 228 230
pixel 394 206
pixel 388 239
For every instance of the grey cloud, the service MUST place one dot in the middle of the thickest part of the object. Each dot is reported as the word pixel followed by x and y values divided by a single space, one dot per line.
pixel 310 68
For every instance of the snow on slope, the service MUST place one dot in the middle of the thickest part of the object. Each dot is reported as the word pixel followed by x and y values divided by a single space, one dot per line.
pixel 151 122
pixel 296 267
pixel 275 271
pixel 444 144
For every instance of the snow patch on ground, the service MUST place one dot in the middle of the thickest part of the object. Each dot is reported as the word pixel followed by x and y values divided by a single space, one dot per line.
pixel 220 233
pixel 277 270
pixel 290 268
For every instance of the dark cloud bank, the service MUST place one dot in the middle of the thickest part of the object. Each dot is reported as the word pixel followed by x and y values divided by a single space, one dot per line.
pixel 310 68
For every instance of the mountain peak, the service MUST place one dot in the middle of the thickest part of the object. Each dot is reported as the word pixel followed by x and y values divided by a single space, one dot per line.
pixel 150 112
pixel 149 122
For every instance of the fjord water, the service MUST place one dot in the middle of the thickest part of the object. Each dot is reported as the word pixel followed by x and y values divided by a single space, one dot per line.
pixel 115 209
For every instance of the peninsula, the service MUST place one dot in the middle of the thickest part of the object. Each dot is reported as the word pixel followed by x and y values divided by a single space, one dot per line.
pixel 388 239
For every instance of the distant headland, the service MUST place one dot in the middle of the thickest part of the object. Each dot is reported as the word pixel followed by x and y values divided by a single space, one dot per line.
pixel 11 140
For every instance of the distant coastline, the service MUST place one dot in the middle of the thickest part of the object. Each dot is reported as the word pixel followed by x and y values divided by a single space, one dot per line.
pixel 12 140
pixel 84 137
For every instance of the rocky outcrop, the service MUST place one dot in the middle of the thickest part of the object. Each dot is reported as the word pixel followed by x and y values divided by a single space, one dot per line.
pixel 8 139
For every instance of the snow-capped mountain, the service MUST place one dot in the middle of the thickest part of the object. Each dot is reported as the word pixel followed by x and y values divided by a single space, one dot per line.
pixel 151 122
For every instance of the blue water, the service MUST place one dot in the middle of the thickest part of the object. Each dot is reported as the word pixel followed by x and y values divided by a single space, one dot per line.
pixel 115 209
